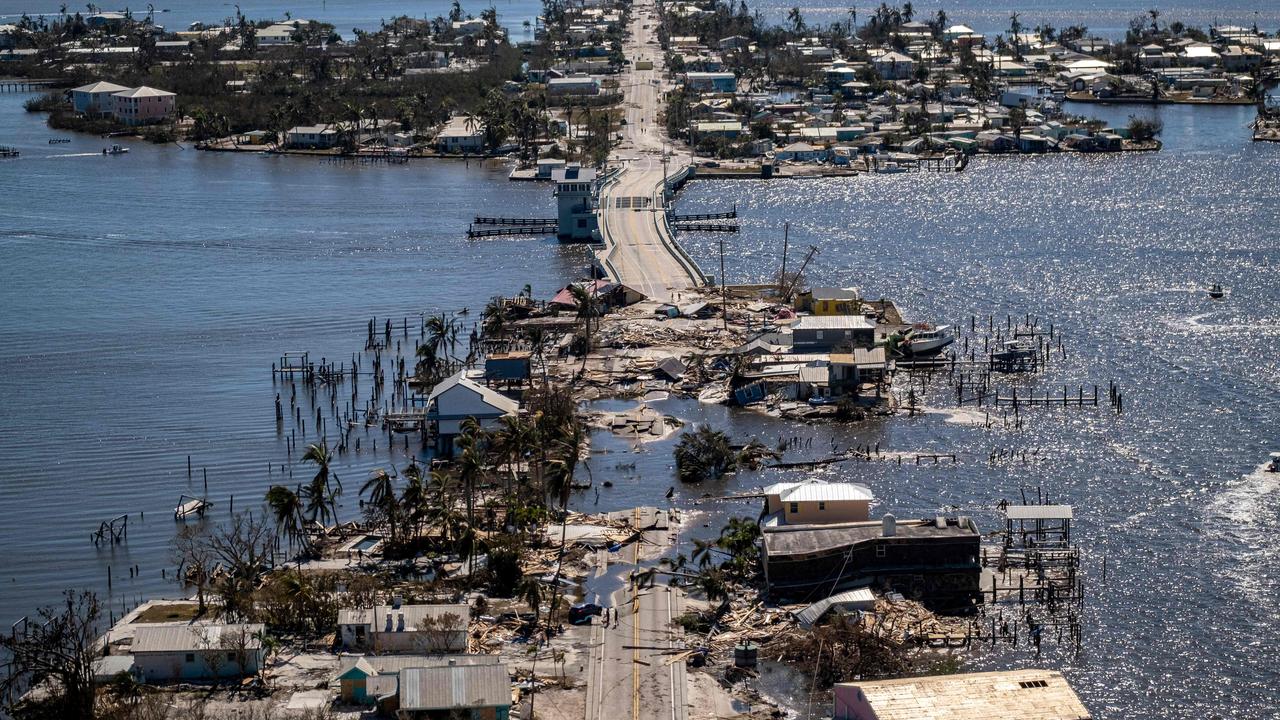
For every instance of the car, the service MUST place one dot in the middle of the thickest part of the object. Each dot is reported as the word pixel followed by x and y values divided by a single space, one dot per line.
pixel 582 614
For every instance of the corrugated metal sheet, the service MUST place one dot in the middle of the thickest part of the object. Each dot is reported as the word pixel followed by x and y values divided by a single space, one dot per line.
pixel 198 636
pixel 455 686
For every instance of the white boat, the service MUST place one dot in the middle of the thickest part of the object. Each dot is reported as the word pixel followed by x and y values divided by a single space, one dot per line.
pixel 115 150
pixel 188 506
pixel 926 339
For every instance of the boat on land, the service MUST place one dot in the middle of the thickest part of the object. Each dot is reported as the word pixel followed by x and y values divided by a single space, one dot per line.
pixel 928 339
pixel 1216 292
pixel 1274 464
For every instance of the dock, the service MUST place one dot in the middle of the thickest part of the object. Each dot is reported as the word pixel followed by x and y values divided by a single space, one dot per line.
pixel 544 230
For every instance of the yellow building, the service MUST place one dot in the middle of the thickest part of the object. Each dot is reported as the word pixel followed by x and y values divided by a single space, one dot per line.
pixel 814 502
pixel 829 301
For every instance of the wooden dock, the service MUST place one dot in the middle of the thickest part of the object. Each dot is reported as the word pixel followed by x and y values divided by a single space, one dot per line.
pixel 24 84
pixel 486 220
pixel 473 232
pixel 705 227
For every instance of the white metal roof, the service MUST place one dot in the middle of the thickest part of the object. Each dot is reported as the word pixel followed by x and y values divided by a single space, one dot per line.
pixel 455 687
pixel 196 636
pixel 1038 512
pixel 102 86
pixel 818 490
pixel 491 398
pixel 832 322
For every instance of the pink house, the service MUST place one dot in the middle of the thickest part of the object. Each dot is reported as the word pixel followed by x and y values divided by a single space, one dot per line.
pixel 143 105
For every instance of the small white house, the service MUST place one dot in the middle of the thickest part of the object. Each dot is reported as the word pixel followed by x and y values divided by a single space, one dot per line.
pixel 275 35
pixel 405 628
pixel 461 136
pixel 800 152
pixel 458 398
pixel 312 136
pixel 197 651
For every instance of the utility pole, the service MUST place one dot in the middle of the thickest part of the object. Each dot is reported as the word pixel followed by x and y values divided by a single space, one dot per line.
pixel 782 279
pixel 724 294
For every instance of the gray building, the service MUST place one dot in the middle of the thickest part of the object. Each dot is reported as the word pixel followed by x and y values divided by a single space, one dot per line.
pixel 475 692
pixel 813 333
pixel 575 200
pixel 198 651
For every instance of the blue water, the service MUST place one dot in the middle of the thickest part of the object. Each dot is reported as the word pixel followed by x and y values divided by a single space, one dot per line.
pixel 145 297
pixel 345 15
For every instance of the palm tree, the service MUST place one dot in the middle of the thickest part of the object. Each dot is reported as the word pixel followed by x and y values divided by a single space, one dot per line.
pixel 530 591
pixel 382 494
pixel 414 499
pixel 702 550
pixel 287 508
pixel 319 496
pixel 588 308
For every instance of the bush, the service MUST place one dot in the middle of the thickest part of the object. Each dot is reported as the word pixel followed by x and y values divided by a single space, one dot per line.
pixel 1143 129
pixel 48 102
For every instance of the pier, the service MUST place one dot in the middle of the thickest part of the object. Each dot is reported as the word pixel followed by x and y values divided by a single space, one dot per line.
pixel 24 84
pixel 473 232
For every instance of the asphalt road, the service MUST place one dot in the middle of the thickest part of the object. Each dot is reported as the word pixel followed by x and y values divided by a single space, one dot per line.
pixel 639 250
pixel 635 670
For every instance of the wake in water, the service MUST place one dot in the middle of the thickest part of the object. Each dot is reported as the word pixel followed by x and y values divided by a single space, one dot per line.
pixel 1243 515
pixel 71 155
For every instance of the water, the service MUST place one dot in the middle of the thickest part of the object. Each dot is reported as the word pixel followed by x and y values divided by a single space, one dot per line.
pixel 145 297
pixel 1117 251
pixel 344 15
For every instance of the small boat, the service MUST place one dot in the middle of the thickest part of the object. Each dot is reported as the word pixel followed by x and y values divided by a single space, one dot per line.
pixel 1274 464
pixel 927 339
pixel 188 506
pixel 1216 292
pixel 6 151
pixel 115 150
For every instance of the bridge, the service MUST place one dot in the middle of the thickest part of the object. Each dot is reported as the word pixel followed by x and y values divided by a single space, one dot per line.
pixel 639 247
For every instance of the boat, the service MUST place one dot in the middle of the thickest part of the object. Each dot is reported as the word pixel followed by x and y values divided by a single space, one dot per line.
pixel 188 506
pixel 1274 464
pixel 115 150
pixel 1216 292
pixel 6 151
pixel 927 339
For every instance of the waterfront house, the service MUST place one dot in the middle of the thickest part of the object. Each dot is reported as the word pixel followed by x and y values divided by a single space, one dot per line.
pixel 196 651
pixel 459 397
pixel 575 203
pixel 800 152
pixel 400 628
pixel 812 333
pixel 723 82
pixel 143 105
pixel 461 135
pixel 94 100
pixel 934 560
pixel 1006 695
pixel 829 301
pixel 849 372
pixel 472 692
pixel 318 137
pixel 815 502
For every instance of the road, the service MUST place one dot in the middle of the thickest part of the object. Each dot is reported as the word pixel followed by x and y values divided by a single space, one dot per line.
pixel 639 250
pixel 633 672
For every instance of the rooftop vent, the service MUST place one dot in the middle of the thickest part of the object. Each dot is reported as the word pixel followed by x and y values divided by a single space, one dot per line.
pixel 889 525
